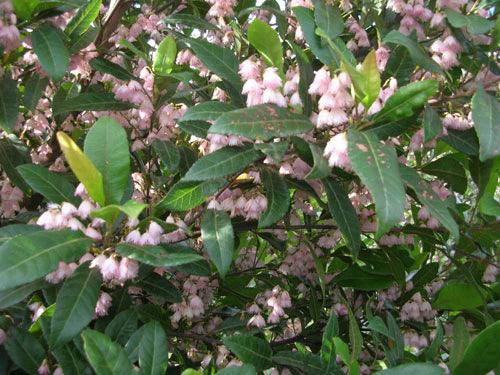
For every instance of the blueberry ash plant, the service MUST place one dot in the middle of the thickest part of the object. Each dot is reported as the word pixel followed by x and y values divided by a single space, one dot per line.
pixel 249 187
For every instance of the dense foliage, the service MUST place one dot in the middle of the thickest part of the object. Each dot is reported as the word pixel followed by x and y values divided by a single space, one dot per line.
pixel 242 187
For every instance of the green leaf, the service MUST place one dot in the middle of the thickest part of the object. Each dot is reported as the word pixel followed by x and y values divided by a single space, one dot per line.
pixel 105 356
pixel 304 361
pixel 153 349
pixel 344 214
pixel 70 360
pixel 158 286
pixel 404 102
pixel 33 90
pixel 397 352
pixel 238 370
pixel 482 354
pixel 320 167
pixel 412 369
pixel 377 166
pixel 449 169
pixel 24 8
pixel 164 59
pixel 218 239
pixel 327 345
pixel 221 163
pixel 417 53
pixel 429 199
pixel 112 212
pixel 25 350
pixel 486 114
pixel 51 51
pixel 12 296
pixel 355 338
pixel 355 277
pixel 278 198
pixel 207 111
pixel 123 325
pixel 136 51
pixel 83 168
pixel 366 79
pixel 218 60
pixel 197 128
pixel 9 104
pixel 461 338
pixel 168 153
pixel 306 76
pixel 475 24
pixel 274 150
pixel 106 145
pixel 433 126
pixel 92 101
pixel 425 274
pixel 185 195
pixel 30 257
pixel 66 91
pixel 328 18
pixel 189 20
pixel 463 141
pixel 105 66
pixel 250 350
pixel 75 304
pixel 11 155
pixel 261 122
pixel 159 256
pixel 458 295
pixel 487 203
pixel 84 40
pixel 53 186
pixel 10 231
pixel 433 349
pixel 267 41
pixel 82 20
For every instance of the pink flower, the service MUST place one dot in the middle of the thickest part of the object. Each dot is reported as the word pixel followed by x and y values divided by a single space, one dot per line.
pixel 128 269
pixel 271 79
pixel 110 269
pixel 103 304
pixel 336 152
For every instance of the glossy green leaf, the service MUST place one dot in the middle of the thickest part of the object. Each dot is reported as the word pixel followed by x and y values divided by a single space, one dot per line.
pixel 25 350
pixel 105 66
pixel 327 351
pixel 266 40
pixel 344 214
pixel 365 79
pixel 92 101
pixel 122 327
pixel 157 285
pixel 461 338
pixel 189 20
pixel 278 198
pixel 417 53
pixel 412 369
pixel 84 40
pixel 429 199
pixel 66 91
pixel 304 361
pixel 53 186
pixel 9 103
pixel 168 153
pixel 458 295
pixel 486 115
pixel 328 18
pixel 218 239
pixel 164 59
pixel 50 50
pixel 30 257
pixel 377 166
pixel 250 349
pixel 153 349
pixel 261 122
pixel 185 195
pixel 449 169
pixel 82 20
pixel 33 91
pixel 10 231
pixel 306 76
pixel 221 163
pixel 24 8
pixel 207 111
pixel 320 167
pixel 474 23
pixel 274 150
pixel 12 296
pixel 70 360
pixel 112 212
pixel 105 356
pixel 433 126
pixel 197 128
pixel 83 168
pixel 75 305
pixel 11 156
pixel 355 277
pixel 238 370
pixel 463 141
pixel 159 256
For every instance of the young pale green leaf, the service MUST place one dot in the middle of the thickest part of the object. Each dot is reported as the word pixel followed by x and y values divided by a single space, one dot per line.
pixel 11 156
pixel 168 153
pixel 278 198
pixel 75 305
pixel 185 195
pixel 83 168
pixel 449 169
pixel 156 285
pixel 433 126
pixel 105 66
pixel 12 296
pixel 417 53
pixel 458 295
pixel 251 350
pixel 486 115
pixel 207 111
pixel 25 350
pixel 112 212
pixel 320 167
pixel 473 23
pixel 50 50
pixel 406 101
pixel 153 350
pixel 218 60
pixel 377 166
pixel 344 214
pixel 53 186
pixel 92 101
pixel 10 231
pixel 412 369
pixel 221 163
pixel 82 20
pixel 461 339
pixel 105 356
pixel 275 150
pixel 106 145
pixel 267 41
pixel 33 90
pixel 218 239
pixel 159 256
pixel 24 8
pixel 328 18
pixel 429 199
pixel 122 327
pixel 9 104
pixel 482 354
pixel 261 122
pixel 32 256
pixel 366 79
pixel 164 59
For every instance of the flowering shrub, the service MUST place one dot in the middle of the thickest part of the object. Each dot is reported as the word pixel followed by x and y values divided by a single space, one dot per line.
pixel 242 187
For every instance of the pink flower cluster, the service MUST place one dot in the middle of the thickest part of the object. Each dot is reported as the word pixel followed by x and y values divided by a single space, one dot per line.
pixel 274 301
pixel 336 151
pixel 360 36
pixel 9 34
pixel 413 12
pixel 234 201
pixel 261 87
pixel 221 8
pixel 115 271
pixel 10 199
pixel 103 305
pixel 395 239
pixel 445 52
pixel 300 263
pixel 417 309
